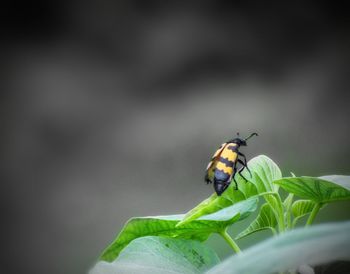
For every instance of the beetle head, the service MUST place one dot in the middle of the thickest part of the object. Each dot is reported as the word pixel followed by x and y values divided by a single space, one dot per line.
pixel 242 142
pixel 239 142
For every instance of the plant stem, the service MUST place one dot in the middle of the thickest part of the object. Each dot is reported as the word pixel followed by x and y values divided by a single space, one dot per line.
pixel 230 241
pixel 289 220
pixel 281 224
pixel 313 214
pixel 288 217
pixel 280 213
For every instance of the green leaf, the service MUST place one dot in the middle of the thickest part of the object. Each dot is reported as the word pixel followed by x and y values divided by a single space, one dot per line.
pixel 265 220
pixel 316 189
pixel 166 226
pixel 158 255
pixel 275 203
pixel 341 180
pixel 287 204
pixel 210 205
pixel 318 244
pixel 264 172
pixel 301 208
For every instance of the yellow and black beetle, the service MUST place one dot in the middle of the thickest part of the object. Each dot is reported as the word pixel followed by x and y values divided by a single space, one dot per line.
pixel 223 165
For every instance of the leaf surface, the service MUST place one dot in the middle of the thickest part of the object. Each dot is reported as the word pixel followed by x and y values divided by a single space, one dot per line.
pixel 341 180
pixel 301 208
pixel 166 226
pixel 287 203
pixel 318 244
pixel 265 220
pixel 158 255
pixel 320 190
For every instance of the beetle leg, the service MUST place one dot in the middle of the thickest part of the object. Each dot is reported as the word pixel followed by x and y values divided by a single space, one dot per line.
pixel 236 185
pixel 241 169
pixel 206 179
pixel 245 162
pixel 233 177
pixel 240 173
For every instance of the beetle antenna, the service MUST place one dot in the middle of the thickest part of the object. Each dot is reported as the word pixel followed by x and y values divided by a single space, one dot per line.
pixel 251 135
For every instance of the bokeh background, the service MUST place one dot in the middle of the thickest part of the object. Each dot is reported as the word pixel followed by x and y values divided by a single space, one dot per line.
pixel 112 109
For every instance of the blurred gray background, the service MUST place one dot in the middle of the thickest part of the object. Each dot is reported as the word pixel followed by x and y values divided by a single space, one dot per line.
pixel 112 109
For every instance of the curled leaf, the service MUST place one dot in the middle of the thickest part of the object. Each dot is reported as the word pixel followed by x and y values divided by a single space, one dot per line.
pixel 265 220
pixel 167 226
pixel 316 189
pixel 263 172
pixel 160 255
pixel 318 244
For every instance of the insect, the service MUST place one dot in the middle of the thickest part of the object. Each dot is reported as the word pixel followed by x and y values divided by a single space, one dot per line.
pixel 223 165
